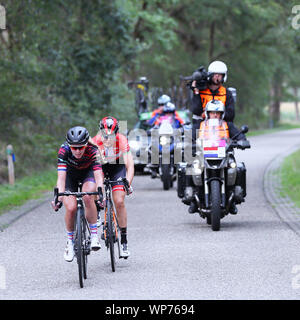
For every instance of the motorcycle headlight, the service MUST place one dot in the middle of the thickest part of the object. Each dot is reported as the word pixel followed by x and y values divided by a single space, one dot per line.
pixel 233 165
pixel 164 140
pixel 197 167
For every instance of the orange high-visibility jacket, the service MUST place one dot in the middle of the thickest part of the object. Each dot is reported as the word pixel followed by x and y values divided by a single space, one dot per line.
pixel 216 132
pixel 206 96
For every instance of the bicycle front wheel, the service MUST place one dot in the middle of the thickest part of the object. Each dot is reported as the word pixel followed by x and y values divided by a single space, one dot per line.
pixel 85 245
pixel 78 246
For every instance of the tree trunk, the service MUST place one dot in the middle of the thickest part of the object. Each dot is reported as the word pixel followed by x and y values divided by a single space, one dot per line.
pixel 211 41
pixel 276 95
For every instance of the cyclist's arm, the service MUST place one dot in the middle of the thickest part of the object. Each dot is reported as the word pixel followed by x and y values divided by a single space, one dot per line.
pixel 98 174
pixel 61 182
pixel 129 164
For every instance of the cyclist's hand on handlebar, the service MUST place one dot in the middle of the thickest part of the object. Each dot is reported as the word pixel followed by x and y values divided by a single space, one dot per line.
pixel 129 190
pixel 128 187
pixel 56 206
pixel 100 204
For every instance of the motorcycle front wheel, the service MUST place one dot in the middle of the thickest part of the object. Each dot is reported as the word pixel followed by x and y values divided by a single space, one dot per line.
pixel 215 196
pixel 166 176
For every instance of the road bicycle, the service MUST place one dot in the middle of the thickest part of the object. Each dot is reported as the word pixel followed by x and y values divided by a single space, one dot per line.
pixel 82 235
pixel 111 230
pixel 141 93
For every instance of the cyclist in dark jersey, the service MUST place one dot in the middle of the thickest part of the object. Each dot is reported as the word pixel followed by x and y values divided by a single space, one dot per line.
pixel 79 161
pixel 115 150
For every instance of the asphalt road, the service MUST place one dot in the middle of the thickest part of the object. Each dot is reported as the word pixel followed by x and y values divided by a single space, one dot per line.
pixel 174 255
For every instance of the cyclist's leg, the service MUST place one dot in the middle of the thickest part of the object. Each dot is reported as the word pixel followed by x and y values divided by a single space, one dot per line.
pixel 70 204
pixel 118 193
pixel 89 185
pixel 118 196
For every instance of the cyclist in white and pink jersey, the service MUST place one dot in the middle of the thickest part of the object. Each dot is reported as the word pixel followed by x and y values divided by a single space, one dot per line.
pixel 115 151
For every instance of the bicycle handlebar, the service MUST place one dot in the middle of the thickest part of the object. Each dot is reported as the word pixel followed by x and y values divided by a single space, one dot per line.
pixel 76 194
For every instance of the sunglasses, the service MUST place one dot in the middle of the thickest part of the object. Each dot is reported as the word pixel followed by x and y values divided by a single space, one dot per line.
pixel 108 136
pixel 77 148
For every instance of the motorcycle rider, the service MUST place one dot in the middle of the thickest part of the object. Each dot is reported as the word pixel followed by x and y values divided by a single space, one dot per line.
pixel 163 108
pixel 217 75
pixel 167 109
pixel 215 109
pixel 161 101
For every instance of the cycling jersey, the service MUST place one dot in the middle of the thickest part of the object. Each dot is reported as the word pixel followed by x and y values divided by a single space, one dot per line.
pixel 112 153
pixel 90 159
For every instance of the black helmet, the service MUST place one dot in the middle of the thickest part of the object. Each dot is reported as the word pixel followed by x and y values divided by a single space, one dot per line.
pixel 77 136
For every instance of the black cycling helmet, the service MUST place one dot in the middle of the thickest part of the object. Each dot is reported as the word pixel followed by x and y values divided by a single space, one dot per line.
pixel 77 136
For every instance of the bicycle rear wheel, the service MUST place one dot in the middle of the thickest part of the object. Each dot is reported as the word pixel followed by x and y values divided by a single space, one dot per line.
pixel 110 236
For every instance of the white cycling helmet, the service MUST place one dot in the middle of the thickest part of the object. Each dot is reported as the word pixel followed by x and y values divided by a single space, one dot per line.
pixel 216 106
pixel 218 67
pixel 163 100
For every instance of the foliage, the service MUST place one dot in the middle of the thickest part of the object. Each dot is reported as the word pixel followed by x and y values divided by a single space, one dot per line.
pixel 57 63
pixel 65 63
pixel 290 177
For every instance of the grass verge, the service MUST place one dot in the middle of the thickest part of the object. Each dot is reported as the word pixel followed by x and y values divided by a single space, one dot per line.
pixel 25 189
pixel 290 177
pixel 284 126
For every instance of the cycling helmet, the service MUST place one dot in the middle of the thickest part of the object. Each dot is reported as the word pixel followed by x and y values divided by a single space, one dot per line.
pixel 77 136
pixel 218 67
pixel 109 126
pixel 216 106
pixel 163 100
pixel 169 108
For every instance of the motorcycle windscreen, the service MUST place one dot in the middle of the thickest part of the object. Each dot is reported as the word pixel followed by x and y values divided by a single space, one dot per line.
pixel 213 136
pixel 165 127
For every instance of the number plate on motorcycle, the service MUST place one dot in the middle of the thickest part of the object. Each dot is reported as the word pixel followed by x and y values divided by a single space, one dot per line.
pixel 213 149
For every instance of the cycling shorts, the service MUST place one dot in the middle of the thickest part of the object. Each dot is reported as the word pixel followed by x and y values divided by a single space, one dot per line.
pixel 76 176
pixel 114 172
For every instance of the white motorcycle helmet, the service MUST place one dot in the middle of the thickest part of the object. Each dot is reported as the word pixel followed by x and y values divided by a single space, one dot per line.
pixel 216 106
pixel 218 67
pixel 169 108
pixel 163 100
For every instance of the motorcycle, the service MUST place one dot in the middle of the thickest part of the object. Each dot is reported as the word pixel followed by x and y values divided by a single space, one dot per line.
pixel 218 180
pixel 162 148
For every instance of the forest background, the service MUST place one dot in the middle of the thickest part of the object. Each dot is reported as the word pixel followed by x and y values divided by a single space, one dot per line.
pixel 67 62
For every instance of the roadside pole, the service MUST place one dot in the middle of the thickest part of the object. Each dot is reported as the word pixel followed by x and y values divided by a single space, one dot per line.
pixel 10 163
